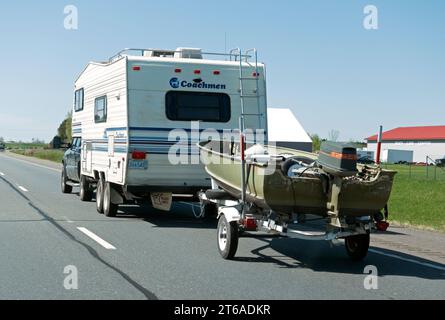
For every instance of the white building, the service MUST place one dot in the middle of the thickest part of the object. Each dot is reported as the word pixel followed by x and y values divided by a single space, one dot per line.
pixel 286 131
pixel 427 141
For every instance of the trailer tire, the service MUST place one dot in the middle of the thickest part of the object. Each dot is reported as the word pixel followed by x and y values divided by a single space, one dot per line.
pixel 85 193
pixel 63 179
pixel 357 246
pixel 100 196
pixel 110 208
pixel 227 238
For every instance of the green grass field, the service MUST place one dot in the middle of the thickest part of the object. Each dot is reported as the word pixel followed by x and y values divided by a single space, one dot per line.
pixel 418 196
pixel 52 155
pixel 23 146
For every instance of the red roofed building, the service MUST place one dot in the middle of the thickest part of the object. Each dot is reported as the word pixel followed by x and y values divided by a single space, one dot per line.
pixel 426 141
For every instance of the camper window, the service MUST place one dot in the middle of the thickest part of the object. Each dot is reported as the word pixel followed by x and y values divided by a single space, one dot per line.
pixel 197 106
pixel 100 109
pixel 78 100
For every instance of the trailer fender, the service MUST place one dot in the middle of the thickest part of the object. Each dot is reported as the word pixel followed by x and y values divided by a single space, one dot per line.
pixel 232 214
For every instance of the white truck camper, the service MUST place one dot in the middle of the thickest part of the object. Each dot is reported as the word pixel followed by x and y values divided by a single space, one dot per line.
pixel 125 111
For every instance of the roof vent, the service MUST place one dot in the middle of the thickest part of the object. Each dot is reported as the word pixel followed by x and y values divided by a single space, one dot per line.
pixel 188 53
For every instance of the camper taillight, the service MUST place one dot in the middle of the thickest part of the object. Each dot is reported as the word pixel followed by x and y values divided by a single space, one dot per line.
pixel 138 155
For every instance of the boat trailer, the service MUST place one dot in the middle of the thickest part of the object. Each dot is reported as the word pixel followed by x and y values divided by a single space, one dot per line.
pixel 232 223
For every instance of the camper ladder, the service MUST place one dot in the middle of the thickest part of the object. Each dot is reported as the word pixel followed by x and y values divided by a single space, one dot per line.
pixel 244 58
pixel 237 53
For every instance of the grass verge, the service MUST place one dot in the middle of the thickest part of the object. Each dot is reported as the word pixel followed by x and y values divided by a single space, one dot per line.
pixel 52 155
pixel 418 199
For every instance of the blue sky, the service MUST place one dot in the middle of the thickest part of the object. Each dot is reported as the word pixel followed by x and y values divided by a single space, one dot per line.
pixel 321 62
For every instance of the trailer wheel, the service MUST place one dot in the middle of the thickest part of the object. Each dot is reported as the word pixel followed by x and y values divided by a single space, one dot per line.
pixel 357 246
pixel 100 196
pixel 65 187
pixel 110 208
pixel 85 193
pixel 227 238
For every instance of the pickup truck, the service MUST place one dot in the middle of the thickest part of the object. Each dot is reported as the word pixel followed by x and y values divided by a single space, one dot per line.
pixel 71 171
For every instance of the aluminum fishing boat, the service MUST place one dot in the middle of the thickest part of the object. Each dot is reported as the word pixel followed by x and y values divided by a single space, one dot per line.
pixel 279 185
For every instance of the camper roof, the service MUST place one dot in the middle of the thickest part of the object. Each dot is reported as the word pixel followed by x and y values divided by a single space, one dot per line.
pixel 182 53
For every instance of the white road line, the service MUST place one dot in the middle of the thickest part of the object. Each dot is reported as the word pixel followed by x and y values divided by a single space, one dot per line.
pixel 425 264
pixel 34 164
pixel 23 189
pixel 2 174
pixel 96 238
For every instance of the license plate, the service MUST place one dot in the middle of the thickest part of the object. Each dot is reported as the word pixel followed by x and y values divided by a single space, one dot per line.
pixel 138 164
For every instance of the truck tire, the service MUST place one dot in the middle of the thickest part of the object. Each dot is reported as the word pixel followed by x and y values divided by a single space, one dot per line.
pixel 110 208
pixel 100 196
pixel 357 246
pixel 227 238
pixel 85 193
pixel 65 187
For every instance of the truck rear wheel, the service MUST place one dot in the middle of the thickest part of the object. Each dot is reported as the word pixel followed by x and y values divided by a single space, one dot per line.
pixel 357 246
pixel 100 196
pixel 110 208
pixel 65 187
pixel 85 192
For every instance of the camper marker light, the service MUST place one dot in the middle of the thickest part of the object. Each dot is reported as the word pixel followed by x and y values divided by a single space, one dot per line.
pixel 197 72
pixel 138 155
pixel 136 68
pixel 178 70
pixel 216 72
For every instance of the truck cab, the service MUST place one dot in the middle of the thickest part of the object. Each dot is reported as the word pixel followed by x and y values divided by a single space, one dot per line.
pixel 71 165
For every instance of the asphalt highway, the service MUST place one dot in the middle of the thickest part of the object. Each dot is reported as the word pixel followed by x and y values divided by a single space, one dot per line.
pixel 53 246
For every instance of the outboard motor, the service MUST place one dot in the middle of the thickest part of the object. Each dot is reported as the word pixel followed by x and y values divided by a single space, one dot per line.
pixel 338 159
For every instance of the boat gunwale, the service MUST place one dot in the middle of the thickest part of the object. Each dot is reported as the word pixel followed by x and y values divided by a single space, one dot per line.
pixel 376 175
pixel 293 152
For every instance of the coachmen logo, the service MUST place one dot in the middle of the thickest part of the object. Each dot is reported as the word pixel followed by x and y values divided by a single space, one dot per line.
pixel 175 83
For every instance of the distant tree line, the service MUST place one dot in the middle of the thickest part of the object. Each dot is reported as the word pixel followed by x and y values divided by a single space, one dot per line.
pixel 333 135
pixel 64 130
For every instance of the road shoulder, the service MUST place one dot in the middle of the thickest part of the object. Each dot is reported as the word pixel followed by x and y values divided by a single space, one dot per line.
pixel 424 244
pixel 45 163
